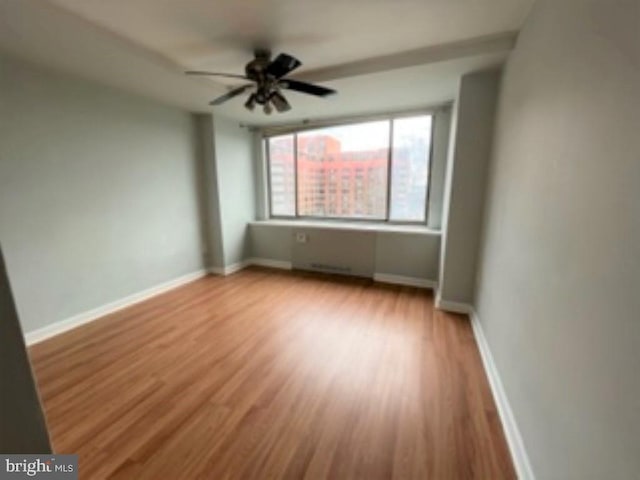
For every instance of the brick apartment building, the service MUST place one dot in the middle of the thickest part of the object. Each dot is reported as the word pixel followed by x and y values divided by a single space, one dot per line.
pixel 335 183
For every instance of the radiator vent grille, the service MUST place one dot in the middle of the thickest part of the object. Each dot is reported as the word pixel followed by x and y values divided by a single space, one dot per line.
pixel 330 268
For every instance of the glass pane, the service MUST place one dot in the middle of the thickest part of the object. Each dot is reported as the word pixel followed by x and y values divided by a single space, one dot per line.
pixel 282 176
pixel 410 168
pixel 342 171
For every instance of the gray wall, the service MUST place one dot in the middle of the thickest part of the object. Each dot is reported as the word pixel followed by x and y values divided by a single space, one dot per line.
pixel 98 193
pixel 209 181
pixel 260 185
pixel 235 188
pixel 470 152
pixel 408 255
pixel 271 242
pixel 23 428
pixel 365 252
pixel 441 132
pixel 559 281
pixel 340 251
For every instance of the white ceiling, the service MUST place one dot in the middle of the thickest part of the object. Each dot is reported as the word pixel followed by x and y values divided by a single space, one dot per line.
pixel 379 54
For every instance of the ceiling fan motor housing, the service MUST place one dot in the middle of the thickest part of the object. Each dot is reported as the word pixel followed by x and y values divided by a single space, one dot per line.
pixel 256 68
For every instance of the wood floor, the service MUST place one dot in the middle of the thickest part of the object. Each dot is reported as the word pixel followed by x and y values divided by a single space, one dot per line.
pixel 268 374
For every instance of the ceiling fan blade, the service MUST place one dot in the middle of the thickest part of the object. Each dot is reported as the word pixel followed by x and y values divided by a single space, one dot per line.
pixel 282 65
pixel 280 102
pixel 216 74
pixel 233 93
pixel 305 87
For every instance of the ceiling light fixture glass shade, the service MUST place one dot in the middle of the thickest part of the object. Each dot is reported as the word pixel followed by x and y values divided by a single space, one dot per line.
pixel 267 108
pixel 250 104
pixel 280 102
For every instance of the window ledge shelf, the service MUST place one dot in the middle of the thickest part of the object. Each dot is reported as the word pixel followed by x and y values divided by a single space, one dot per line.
pixel 353 226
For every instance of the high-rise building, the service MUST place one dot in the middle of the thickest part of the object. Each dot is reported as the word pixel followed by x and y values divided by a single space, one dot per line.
pixel 336 183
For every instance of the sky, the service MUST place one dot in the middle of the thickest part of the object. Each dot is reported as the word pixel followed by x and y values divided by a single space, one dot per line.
pixel 373 135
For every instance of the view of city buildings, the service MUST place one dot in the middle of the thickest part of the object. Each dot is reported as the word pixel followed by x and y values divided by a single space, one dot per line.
pixel 335 182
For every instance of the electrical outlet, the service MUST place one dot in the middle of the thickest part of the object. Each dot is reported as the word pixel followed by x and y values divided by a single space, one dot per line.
pixel 301 237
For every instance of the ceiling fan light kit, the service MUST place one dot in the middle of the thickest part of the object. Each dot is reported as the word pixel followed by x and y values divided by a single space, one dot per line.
pixel 268 77
pixel 250 104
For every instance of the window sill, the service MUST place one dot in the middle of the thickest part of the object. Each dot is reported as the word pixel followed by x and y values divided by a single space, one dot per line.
pixel 352 226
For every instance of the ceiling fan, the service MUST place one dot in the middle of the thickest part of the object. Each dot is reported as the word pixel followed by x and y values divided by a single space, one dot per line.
pixel 268 77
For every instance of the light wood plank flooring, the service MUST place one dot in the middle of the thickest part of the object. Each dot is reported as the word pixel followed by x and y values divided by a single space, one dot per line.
pixel 267 375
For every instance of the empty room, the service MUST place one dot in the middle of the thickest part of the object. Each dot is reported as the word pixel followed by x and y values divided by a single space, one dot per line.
pixel 279 239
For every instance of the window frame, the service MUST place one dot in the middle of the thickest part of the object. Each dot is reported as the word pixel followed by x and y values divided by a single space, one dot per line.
pixel 294 131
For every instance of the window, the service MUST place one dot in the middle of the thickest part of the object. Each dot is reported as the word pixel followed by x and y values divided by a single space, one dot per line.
pixel 282 176
pixel 377 170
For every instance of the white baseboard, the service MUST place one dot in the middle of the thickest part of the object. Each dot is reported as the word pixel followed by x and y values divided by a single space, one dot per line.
pixel 263 262
pixel 229 269
pixel 510 427
pixel 236 267
pixel 455 307
pixel 402 280
pixel 70 323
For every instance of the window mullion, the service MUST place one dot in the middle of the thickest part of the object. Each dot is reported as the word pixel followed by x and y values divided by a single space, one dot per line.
pixel 295 170
pixel 389 170
pixel 429 171
pixel 267 152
